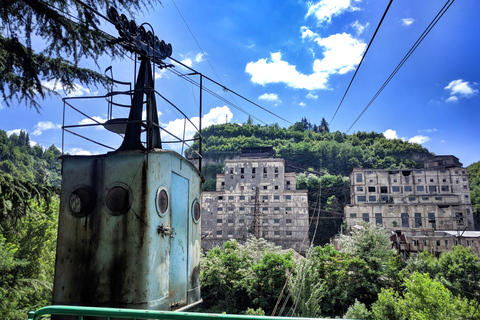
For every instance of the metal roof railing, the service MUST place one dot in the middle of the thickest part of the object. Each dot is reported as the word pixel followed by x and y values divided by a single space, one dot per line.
pixel 136 314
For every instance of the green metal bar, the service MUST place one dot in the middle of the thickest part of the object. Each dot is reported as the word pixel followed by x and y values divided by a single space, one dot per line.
pixel 141 314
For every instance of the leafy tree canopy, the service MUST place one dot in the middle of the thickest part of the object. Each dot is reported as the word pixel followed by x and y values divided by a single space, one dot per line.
pixel 474 179
pixel 69 31
pixel 241 278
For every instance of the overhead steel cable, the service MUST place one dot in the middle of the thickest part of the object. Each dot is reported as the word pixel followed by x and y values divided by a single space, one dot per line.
pixel 195 83
pixel 206 77
pixel 205 56
pixel 363 57
pixel 405 58
pixel 225 88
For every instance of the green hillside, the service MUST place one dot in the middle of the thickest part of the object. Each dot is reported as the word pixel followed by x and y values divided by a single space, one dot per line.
pixel 332 152
pixel 33 164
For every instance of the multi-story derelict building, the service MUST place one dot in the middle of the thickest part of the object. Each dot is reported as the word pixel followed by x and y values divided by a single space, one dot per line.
pixel 415 203
pixel 255 196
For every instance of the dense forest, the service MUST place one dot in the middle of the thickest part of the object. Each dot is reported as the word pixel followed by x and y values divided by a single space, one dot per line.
pixel 34 164
pixel 364 280
pixel 29 185
pixel 332 152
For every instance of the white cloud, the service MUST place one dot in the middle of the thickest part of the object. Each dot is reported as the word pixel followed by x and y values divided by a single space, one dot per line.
pixel 97 126
pixel 214 116
pixel 359 27
pixel 52 85
pixel 1 106
pixel 460 89
pixel 78 90
pixel 311 96
pixel 16 131
pixel 419 139
pixel 190 59
pixel 271 97
pixel 90 121
pixel 200 57
pixel 307 33
pixel 302 104
pixel 407 21
pixel 44 126
pixel 428 130
pixel 452 99
pixel 341 54
pixel 392 134
pixel 160 73
pixel 32 143
pixel 274 70
pixel 324 10
pixel 79 152
pixel 188 62
pixel 144 114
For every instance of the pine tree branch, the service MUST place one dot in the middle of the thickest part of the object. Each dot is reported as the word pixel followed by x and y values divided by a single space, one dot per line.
pixel 70 32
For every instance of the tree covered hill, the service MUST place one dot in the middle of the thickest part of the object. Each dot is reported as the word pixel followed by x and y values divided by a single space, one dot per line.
pixel 33 164
pixel 334 152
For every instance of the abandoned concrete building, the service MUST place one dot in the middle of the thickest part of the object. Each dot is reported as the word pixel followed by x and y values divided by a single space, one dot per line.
pixel 255 196
pixel 416 204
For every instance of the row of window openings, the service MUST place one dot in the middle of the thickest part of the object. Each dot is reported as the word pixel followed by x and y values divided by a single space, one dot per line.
pixel 438 243
pixel 242 198
pixel 408 189
pixel 406 219
pixel 386 199
pixel 287 209
pixel 359 176
pixel 242 188
pixel 242 171
pixel 230 221
pixel 264 234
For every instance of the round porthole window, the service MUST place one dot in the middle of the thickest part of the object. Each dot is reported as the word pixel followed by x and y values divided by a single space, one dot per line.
pixel 196 211
pixel 81 201
pixel 118 199
pixel 162 201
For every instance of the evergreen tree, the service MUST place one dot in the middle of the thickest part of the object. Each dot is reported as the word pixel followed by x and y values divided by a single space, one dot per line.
pixel 324 125
pixel 67 40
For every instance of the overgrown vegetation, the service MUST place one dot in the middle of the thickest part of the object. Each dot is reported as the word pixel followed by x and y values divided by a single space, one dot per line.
pixel 473 171
pixel 332 152
pixel 24 69
pixel 365 279
pixel 29 181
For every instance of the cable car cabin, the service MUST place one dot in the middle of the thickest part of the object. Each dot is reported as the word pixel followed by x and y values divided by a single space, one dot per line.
pixel 129 224
pixel 129 231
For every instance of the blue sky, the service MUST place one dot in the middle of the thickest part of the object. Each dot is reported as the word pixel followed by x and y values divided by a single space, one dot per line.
pixel 296 59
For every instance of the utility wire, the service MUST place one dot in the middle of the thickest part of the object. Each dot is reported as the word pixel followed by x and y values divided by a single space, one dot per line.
pixel 194 71
pixel 363 57
pixel 225 88
pixel 194 38
pixel 405 58
pixel 203 52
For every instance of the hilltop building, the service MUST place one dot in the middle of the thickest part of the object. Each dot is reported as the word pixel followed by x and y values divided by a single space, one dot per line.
pixel 416 204
pixel 255 196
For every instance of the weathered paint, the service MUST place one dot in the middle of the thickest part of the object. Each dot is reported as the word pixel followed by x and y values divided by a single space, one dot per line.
pixel 113 255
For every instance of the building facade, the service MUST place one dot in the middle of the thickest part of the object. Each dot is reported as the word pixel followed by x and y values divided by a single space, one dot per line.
pixel 436 197
pixel 255 196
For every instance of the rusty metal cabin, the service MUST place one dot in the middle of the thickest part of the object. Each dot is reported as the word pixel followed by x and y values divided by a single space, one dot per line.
pixel 129 231
pixel 129 224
